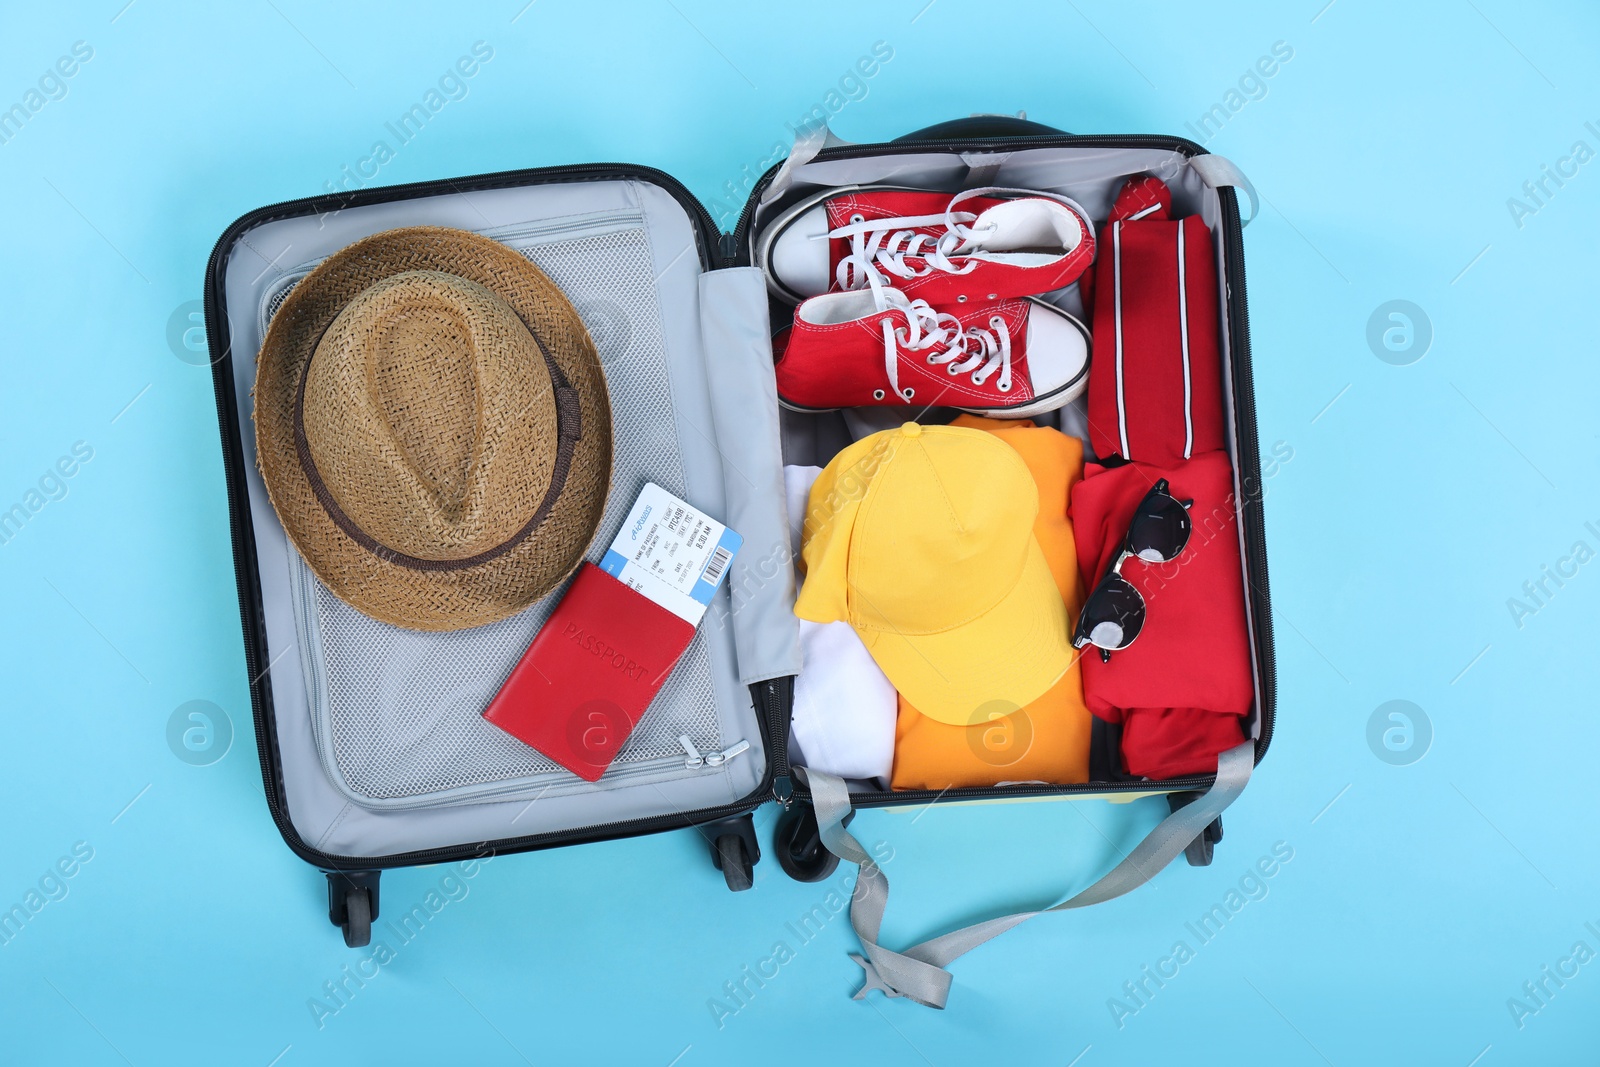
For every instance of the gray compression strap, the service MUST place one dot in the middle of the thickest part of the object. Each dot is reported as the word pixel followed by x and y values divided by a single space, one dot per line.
pixel 808 141
pixel 1217 171
pixel 918 973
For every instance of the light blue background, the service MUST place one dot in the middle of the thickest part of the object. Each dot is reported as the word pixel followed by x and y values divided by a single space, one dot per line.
pixel 1418 500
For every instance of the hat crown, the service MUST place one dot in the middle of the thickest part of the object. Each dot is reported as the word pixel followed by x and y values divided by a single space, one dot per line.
pixel 943 533
pixel 429 414
pixel 440 453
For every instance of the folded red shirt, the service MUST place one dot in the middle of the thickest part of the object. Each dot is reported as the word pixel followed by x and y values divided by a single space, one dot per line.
pixel 1155 388
pixel 1181 689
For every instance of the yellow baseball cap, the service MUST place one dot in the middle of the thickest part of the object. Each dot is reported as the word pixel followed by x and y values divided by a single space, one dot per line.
pixel 922 539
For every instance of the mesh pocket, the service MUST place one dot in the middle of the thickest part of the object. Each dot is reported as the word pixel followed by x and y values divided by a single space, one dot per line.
pixel 402 709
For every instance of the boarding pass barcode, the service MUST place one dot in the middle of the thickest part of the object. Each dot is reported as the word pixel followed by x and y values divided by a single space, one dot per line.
pixel 719 560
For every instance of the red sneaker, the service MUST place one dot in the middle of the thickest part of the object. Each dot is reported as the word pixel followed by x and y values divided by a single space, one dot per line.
pixel 1011 359
pixel 976 247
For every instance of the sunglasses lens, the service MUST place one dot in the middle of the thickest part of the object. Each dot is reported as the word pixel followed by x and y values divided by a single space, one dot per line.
pixel 1160 527
pixel 1113 616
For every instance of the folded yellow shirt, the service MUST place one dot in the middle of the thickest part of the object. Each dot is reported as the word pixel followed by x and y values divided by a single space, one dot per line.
pixel 1048 740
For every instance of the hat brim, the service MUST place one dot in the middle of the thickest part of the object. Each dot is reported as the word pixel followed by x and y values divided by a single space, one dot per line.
pixel 1001 661
pixel 390 592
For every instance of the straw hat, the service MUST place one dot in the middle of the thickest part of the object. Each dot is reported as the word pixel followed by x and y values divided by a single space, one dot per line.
pixel 433 428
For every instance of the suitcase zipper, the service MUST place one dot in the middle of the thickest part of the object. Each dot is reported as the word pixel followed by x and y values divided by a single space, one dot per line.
pixel 997 144
pixel 593 224
pixel 774 698
pixel 560 783
pixel 693 760
pixel 1250 445
pixel 516 236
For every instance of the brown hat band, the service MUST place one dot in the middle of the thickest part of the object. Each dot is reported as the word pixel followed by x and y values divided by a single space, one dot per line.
pixel 569 428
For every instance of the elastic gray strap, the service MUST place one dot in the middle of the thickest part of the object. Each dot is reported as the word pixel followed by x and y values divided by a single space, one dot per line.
pixel 808 141
pixel 918 973
pixel 983 168
pixel 897 974
pixel 1217 171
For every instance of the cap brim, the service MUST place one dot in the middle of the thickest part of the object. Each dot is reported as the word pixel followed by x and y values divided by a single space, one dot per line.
pixel 1001 661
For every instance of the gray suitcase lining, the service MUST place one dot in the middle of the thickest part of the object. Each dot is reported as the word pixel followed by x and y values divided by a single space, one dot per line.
pixel 380 737
pixel 1093 175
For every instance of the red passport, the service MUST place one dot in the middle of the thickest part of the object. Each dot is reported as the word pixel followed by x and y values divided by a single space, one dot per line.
pixel 591 672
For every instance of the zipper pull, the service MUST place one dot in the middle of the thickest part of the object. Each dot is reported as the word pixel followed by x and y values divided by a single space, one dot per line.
pixel 783 790
pixel 717 759
pixel 693 758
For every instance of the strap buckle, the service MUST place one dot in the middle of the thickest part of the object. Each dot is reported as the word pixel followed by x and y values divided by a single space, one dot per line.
pixel 874 980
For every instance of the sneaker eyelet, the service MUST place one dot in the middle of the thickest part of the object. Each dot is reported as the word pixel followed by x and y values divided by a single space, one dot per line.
pixel 994 296
pixel 996 321
pixel 909 393
pixel 962 299
pixel 858 217
pixel 877 394
pixel 932 357
pixel 952 370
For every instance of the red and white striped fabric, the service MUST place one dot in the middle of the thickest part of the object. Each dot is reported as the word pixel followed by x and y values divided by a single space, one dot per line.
pixel 1155 388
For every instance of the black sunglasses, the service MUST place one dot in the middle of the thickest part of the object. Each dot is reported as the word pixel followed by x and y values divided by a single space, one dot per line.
pixel 1114 613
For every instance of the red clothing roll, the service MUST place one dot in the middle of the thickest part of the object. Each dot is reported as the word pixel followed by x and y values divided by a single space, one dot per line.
pixel 1181 689
pixel 1155 388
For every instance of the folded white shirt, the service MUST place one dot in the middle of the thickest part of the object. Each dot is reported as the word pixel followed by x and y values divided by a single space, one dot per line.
pixel 844 707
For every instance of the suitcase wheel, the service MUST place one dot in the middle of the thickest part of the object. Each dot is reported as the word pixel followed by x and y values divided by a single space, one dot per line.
pixel 734 850
pixel 799 846
pixel 357 925
pixel 1199 851
pixel 353 904
pixel 737 870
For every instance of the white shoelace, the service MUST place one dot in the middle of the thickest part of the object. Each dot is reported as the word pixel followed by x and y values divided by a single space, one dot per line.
pixel 879 247
pixel 964 349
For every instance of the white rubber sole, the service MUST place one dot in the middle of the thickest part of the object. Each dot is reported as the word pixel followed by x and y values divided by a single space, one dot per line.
pixel 1075 379
pixel 1059 397
pixel 761 252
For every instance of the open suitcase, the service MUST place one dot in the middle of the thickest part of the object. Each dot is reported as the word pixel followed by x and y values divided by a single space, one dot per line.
pixel 373 750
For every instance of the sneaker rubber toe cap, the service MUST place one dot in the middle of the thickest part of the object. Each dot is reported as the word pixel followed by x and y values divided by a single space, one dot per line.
pixel 798 258
pixel 1058 352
